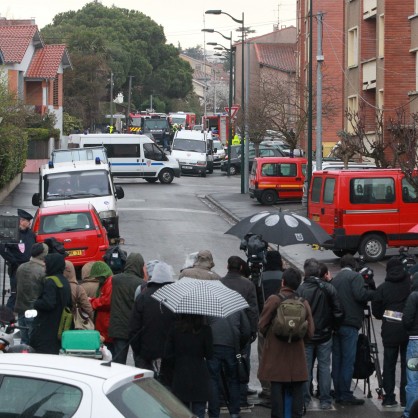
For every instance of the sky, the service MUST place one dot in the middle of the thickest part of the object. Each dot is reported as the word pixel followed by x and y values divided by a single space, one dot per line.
pixel 182 20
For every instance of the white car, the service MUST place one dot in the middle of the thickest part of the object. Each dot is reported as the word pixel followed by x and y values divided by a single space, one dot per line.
pixel 42 385
pixel 219 155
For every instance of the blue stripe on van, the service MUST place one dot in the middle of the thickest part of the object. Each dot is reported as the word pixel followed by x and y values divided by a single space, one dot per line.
pixel 135 164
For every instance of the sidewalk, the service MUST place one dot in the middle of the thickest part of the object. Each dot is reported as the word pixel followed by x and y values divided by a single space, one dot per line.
pixel 238 206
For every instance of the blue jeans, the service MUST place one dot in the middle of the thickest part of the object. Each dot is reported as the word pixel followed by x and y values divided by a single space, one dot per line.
pixel 411 378
pixel 344 347
pixel 223 358
pixel 323 356
pixel 198 408
pixel 25 333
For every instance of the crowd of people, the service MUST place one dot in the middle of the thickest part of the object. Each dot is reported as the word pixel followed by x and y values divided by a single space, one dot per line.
pixel 196 356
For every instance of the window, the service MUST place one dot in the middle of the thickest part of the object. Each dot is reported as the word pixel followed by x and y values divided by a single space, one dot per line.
pixel 125 151
pixel 152 152
pixel 268 170
pixel 56 91
pixel 409 194
pixel 381 36
pixel 37 398
pixel 372 190
pixel 352 58
pixel 316 189
pixel 352 107
pixel 416 6
pixel 288 170
pixel 329 188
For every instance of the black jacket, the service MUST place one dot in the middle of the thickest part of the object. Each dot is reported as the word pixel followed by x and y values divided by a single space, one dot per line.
pixel 392 295
pixel 326 307
pixel 353 296
pixel 246 289
pixel 410 312
pixel 150 324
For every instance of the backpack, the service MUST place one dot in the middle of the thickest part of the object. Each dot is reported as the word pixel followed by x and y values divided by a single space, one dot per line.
pixel 115 258
pixel 364 364
pixel 289 323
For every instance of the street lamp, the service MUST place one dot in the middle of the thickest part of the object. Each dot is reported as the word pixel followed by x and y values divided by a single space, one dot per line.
pixel 244 169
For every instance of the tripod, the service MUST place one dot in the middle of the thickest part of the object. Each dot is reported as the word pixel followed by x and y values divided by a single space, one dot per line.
pixel 368 330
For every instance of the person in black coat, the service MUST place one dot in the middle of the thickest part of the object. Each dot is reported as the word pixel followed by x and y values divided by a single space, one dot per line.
pixel 150 323
pixel 19 253
pixel 391 295
pixel 55 297
pixel 189 345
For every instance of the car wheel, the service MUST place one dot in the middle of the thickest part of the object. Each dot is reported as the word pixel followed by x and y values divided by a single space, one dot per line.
pixel 166 176
pixel 232 170
pixel 269 197
pixel 151 179
pixel 373 247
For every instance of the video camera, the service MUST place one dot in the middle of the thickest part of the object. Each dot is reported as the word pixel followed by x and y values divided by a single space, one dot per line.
pixel 366 272
pixel 255 248
pixel 407 259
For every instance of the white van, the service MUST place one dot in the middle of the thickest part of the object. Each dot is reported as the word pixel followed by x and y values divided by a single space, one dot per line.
pixel 132 155
pixel 81 182
pixel 193 151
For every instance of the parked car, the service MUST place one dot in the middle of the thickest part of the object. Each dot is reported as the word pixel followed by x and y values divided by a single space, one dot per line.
pixel 219 155
pixel 235 165
pixel 77 226
pixel 62 386
pixel 284 146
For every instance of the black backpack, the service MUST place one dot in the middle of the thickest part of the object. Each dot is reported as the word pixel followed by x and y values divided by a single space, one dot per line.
pixel 364 364
pixel 115 258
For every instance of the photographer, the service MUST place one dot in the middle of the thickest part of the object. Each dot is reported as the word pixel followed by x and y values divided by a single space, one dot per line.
pixel 391 296
pixel 353 294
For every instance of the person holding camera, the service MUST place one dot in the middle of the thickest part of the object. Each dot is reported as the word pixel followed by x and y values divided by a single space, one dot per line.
pixel 390 299
pixel 353 293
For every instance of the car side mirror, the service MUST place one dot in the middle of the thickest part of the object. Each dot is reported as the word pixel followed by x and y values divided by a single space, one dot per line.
pixel 36 199
pixel 120 194
pixel 413 364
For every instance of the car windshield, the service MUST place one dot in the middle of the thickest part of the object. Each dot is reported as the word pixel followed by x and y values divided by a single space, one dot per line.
pixel 178 119
pixel 79 154
pixel 217 145
pixel 66 222
pixel 76 185
pixel 181 144
pixel 151 124
pixel 144 398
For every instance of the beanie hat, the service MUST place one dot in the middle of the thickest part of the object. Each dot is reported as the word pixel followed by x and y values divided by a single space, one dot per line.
pixel 151 266
pixel 39 250
pixel 100 269
pixel 273 261
pixel 393 263
pixel 163 273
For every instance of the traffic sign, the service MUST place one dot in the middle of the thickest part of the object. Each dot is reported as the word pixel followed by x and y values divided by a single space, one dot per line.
pixel 234 110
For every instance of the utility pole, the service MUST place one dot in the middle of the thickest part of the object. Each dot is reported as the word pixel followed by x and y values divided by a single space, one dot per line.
pixel 128 118
pixel 310 108
pixel 111 99
pixel 247 134
pixel 319 60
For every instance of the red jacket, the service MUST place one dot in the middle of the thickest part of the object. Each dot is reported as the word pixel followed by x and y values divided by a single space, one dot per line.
pixel 101 305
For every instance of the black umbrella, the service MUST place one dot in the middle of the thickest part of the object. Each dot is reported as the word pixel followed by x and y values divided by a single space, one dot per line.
pixel 282 228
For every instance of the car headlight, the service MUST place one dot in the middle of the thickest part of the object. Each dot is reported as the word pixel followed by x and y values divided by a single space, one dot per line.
pixel 107 214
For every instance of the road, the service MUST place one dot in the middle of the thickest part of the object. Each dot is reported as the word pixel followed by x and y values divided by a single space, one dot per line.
pixel 167 222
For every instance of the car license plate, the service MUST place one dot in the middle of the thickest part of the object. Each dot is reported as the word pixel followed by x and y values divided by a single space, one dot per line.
pixel 315 218
pixel 74 253
pixel 187 167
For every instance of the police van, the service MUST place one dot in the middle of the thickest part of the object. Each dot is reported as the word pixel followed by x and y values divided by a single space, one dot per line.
pixel 81 182
pixel 132 155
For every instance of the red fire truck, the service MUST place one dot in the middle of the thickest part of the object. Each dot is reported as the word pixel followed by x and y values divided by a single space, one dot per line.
pixel 186 119
pixel 218 122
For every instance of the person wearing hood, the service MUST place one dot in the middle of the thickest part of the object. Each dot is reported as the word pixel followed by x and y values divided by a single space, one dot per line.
pixel 391 295
pixel 101 302
pixel 150 323
pixel 201 268
pixel 78 294
pixel 30 282
pixel 410 322
pixel 56 295
pixel 90 284
pixel 123 291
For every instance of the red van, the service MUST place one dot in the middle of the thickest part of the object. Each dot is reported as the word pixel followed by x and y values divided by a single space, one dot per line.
pixel 274 178
pixel 364 211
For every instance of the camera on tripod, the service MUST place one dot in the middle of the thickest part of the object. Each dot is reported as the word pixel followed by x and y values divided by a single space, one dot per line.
pixel 366 272
pixel 255 248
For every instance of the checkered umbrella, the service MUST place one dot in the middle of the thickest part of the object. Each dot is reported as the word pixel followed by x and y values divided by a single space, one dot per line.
pixel 200 297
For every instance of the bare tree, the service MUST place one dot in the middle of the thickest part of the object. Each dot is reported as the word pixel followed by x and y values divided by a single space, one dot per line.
pixel 404 133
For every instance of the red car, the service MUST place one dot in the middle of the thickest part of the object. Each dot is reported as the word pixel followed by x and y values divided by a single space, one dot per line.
pixel 77 226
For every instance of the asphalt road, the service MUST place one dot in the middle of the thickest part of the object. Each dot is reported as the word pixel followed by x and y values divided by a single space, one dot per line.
pixel 169 221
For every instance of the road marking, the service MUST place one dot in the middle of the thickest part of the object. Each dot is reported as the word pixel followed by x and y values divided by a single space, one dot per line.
pixel 206 212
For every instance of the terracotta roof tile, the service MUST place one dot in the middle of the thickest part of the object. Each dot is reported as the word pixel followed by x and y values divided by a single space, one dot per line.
pixel 14 41
pixel 46 61
pixel 279 56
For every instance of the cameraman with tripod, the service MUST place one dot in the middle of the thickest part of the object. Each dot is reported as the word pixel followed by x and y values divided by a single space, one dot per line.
pixel 389 300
